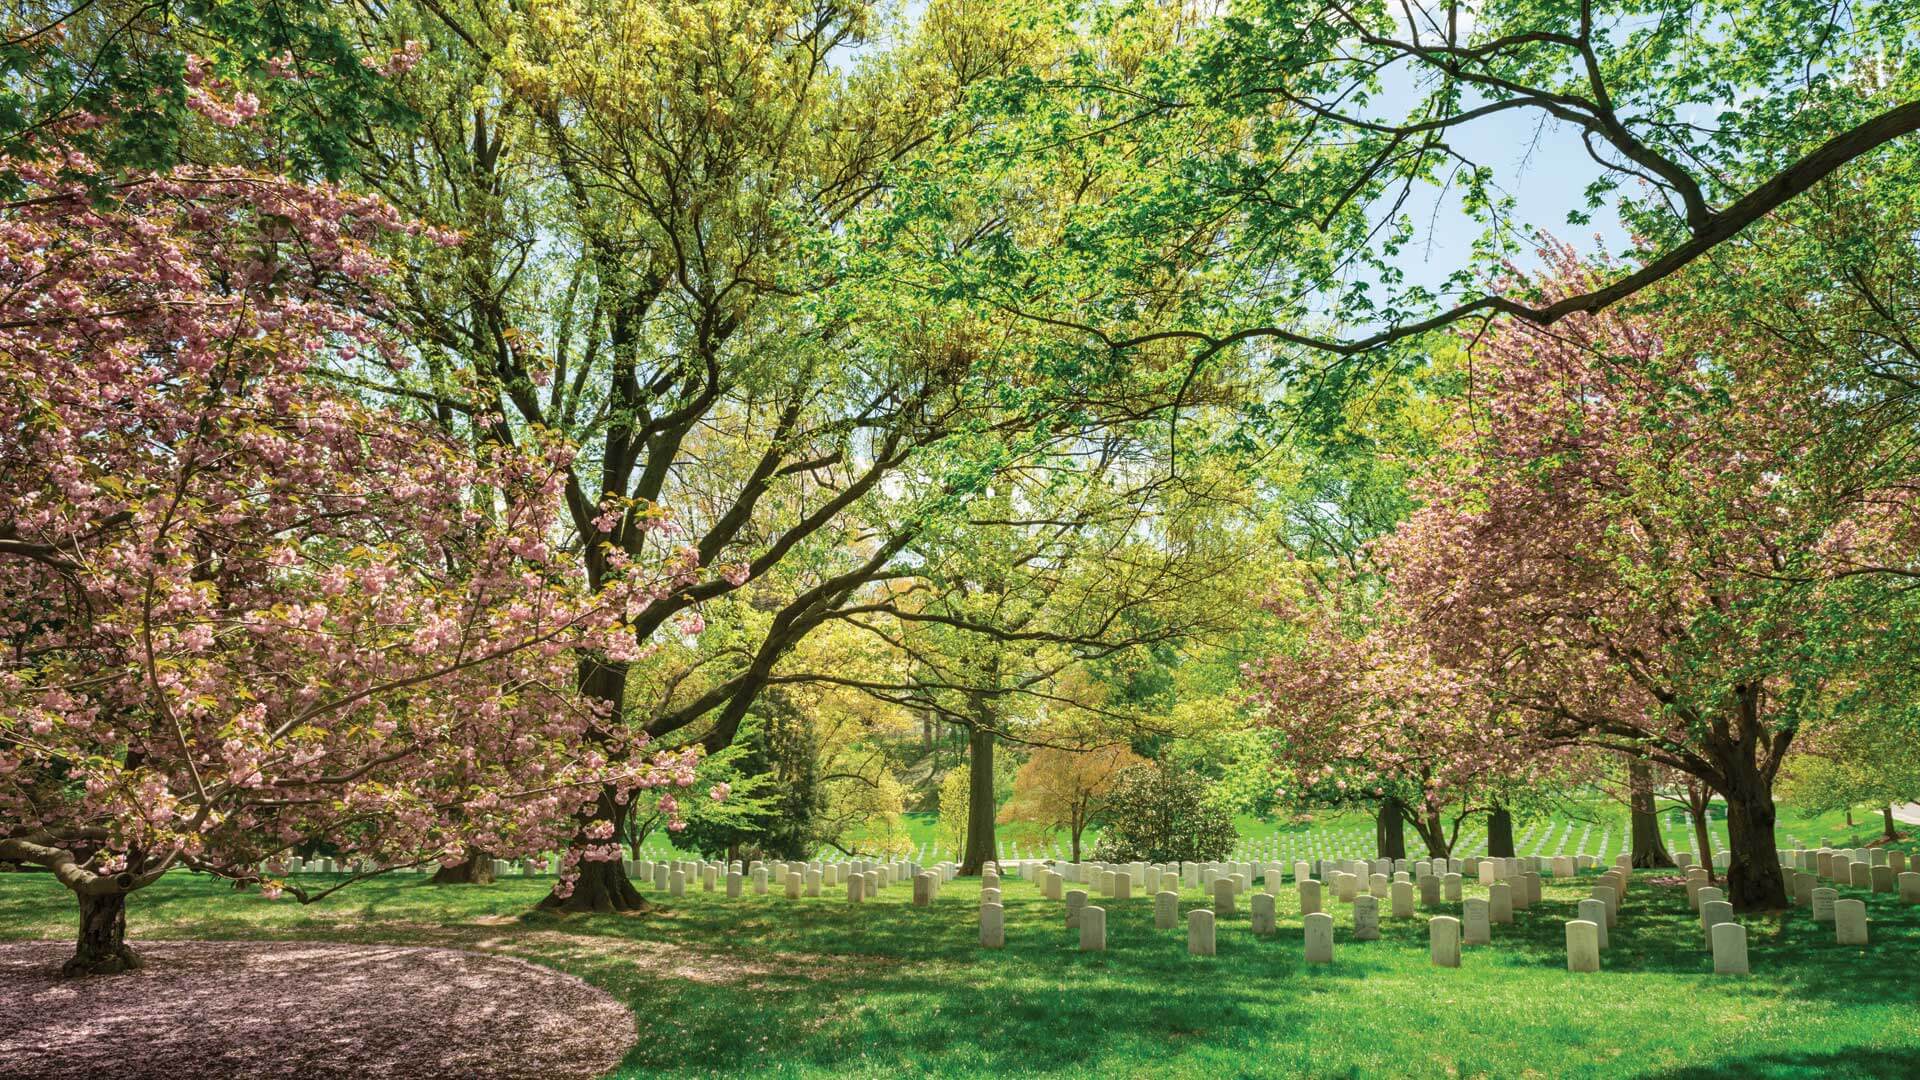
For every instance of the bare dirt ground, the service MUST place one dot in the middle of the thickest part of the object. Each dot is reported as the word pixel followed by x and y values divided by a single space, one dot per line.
pixel 303 1009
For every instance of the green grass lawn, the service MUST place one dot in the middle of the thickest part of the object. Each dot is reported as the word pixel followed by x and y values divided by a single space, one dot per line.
pixel 1582 827
pixel 769 986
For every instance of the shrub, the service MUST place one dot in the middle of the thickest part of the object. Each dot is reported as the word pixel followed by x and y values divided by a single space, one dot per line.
pixel 1164 815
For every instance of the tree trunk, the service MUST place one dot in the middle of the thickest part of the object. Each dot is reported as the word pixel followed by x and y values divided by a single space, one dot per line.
pixel 1886 814
pixel 1077 830
pixel 1500 833
pixel 1753 871
pixel 1389 831
pixel 601 886
pixel 980 849
pixel 102 948
pixel 1433 833
pixel 1703 839
pixel 476 870
pixel 1648 848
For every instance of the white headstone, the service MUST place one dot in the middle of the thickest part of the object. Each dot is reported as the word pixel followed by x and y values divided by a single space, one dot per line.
pixel 1729 940
pixel 1443 932
pixel 1583 946
pixel 1093 929
pixel 1264 919
pixel 1319 936
pixel 1200 932
pixel 1478 932
pixel 1850 922
pixel 1712 914
pixel 993 926
pixel 1166 910
pixel 1366 918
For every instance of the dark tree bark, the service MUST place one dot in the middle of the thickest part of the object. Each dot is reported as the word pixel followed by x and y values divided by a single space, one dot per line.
pixel 1697 804
pixel 981 847
pixel 1649 850
pixel 1389 831
pixel 1886 813
pixel 1753 871
pixel 102 947
pixel 1500 833
pixel 1433 833
pixel 476 870
pixel 602 886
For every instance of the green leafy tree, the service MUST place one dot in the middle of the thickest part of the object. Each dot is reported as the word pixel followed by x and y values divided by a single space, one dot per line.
pixel 1157 814
pixel 1315 144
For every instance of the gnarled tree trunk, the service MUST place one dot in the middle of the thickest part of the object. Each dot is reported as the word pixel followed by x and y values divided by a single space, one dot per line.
pixel 601 886
pixel 1389 831
pixel 981 848
pixel 102 948
pixel 1703 839
pixel 1433 833
pixel 1649 850
pixel 1500 833
pixel 1754 882
pixel 1886 813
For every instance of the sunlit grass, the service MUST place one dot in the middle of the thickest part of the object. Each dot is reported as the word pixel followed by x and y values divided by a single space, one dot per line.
pixel 768 986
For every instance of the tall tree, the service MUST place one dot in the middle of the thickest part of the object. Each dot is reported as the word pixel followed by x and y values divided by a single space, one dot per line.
pixel 677 217
pixel 243 612
pixel 1663 537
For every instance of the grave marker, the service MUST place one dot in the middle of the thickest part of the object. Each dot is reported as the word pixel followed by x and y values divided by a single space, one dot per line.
pixel 1093 929
pixel 1729 940
pixel 1166 910
pixel 1319 938
pixel 1583 946
pixel 1850 922
pixel 1443 935
pixel 1200 932
pixel 1366 918
pixel 993 926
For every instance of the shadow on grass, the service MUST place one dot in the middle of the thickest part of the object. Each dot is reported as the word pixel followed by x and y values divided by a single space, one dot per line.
pixel 767 986
pixel 1866 1062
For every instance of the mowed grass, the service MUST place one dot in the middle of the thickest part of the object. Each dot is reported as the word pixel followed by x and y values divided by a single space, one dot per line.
pixel 817 987
pixel 1587 825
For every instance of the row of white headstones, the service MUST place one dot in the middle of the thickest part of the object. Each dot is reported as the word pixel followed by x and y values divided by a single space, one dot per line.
pixel 1512 884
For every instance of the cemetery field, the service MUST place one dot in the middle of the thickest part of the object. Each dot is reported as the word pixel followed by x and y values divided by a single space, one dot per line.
pixel 764 985
pixel 1595 826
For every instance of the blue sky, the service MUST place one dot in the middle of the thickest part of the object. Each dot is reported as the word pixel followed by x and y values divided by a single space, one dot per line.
pixel 1544 167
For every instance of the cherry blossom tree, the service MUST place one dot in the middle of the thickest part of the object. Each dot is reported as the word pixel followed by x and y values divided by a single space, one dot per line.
pixel 1660 534
pixel 1362 713
pixel 243 613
